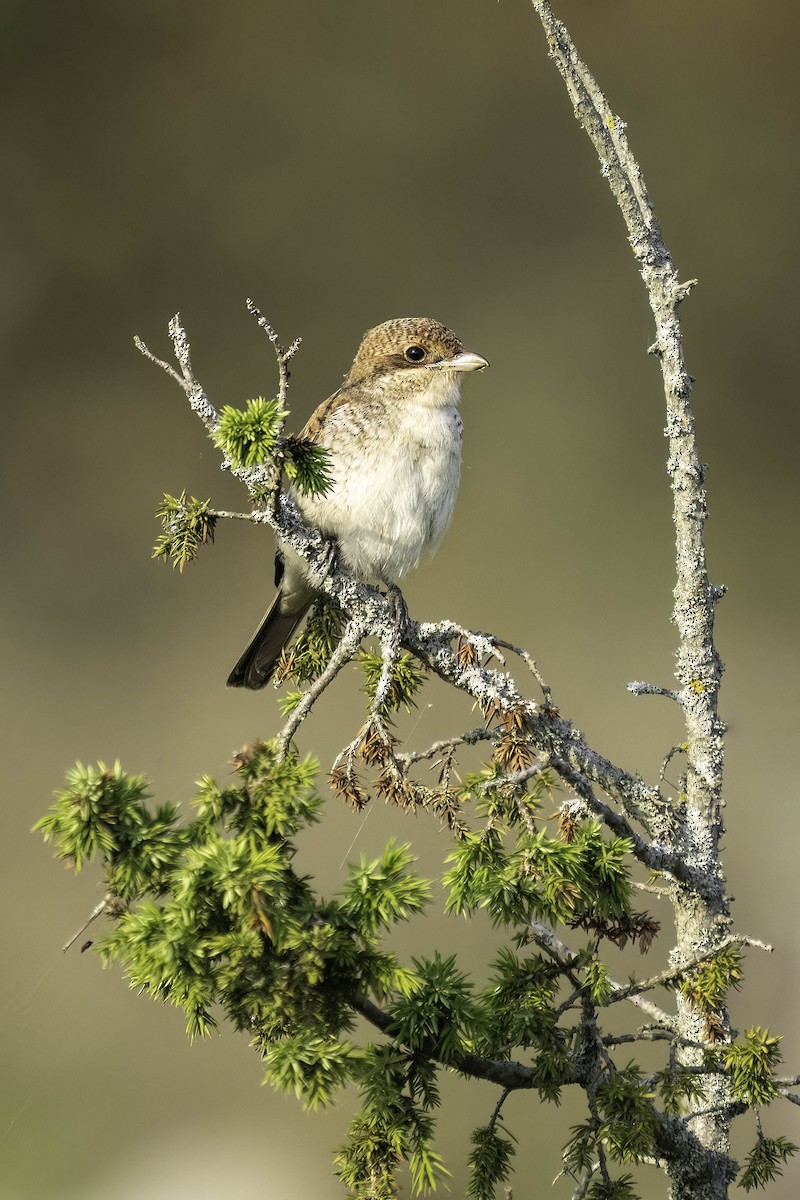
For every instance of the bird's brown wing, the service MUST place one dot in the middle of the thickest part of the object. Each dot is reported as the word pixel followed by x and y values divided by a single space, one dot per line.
pixel 316 422
pixel 254 668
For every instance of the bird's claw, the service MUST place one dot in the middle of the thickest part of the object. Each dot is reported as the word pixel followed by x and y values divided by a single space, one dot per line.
pixel 329 558
pixel 398 611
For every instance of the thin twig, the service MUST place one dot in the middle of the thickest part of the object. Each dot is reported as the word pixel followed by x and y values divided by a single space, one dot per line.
pixel 222 514
pixel 390 649
pixel 656 857
pixel 637 688
pixel 514 778
pixel 651 889
pixel 351 750
pixel 481 734
pixel 283 356
pixel 532 665
pixel 582 1184
pixel 645 1034
pixel 347 647
pixel 673 973
pixel 506 1092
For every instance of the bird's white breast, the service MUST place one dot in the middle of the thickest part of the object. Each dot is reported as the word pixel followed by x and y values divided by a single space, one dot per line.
pixel 396 477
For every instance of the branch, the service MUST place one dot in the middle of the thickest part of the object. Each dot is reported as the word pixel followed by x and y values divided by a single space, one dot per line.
pixel 672 973
pixel 637 688
pixel 699 669
pixel 550 733
pixel 582 1185
pixel 283 356
pixel 544 937
pixel 390 650
pixel 341 656
pixel 647 1033
pixel 107 901
pixel 614 820
pixel 481 734
pixel 532 665
pixel 695 835
pixel 197 398
pixel 221 514
pixel 508 1074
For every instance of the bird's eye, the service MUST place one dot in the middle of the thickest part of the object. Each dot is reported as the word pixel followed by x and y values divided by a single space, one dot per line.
pixel 415 353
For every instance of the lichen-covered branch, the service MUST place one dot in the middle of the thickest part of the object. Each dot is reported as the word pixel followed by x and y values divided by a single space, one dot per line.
pixel 341 656
pixel 702 916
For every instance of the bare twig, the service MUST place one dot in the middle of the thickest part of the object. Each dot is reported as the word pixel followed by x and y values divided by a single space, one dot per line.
pixel 390 649
pixel 506 1092
pixel 222 514
pixel 673 973
pixel 647 1033
pixel 582 1185
pixel 532 665
pixel 651 889
pixel 668 759
pixel 638 688
pixel 514 778
pixel 341 655
pixel 481 734
pixel 351 750
pixel 282 356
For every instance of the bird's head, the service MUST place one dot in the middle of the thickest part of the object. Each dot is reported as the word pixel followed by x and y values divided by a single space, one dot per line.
pixel 413 351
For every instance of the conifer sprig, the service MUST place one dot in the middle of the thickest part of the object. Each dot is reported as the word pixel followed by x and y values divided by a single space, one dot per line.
pixel 765 1161
pixel 249 436
pixel 188 524
pixel 308 466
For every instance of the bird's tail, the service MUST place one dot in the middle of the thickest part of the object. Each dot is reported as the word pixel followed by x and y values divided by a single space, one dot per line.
pixel 254 669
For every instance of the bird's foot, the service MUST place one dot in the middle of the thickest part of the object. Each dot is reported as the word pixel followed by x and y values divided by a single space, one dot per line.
pixel 398 610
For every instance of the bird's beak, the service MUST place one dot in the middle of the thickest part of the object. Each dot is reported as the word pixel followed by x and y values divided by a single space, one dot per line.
pixel 465 361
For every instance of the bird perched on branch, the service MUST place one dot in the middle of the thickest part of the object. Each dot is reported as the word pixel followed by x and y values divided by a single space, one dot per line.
pixel 393 434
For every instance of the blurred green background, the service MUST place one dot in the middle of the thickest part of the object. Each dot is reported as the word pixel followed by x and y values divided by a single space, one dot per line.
pixel 343 164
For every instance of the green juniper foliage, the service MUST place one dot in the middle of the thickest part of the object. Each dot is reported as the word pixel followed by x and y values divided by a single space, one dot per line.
pixel 252 436
pixel 407 677
pixel 308 466
pixel 212 915
pixel 249 436
pixel 751 1064
pixel 765 1161
pixel 490 1162
pixel 187 524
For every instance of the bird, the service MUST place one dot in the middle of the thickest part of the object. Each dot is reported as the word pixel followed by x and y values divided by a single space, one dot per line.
pixel 393 435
